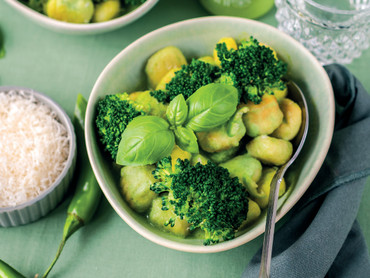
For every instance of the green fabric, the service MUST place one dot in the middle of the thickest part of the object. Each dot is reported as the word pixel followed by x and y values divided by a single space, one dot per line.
pixel 322 237
pixel 62 66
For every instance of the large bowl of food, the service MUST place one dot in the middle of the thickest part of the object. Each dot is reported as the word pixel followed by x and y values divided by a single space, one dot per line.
pixel 82 16
pixel 186 127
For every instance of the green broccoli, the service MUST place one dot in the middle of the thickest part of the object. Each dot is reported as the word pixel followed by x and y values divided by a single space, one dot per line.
pixel 204 195
pixel 125 2
pixel 133 2
pixel 187 80
pixel 36 5
pixel 114 112
pixel 253 69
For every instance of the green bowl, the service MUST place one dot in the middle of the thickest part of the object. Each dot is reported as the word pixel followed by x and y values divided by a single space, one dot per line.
pixel 197 37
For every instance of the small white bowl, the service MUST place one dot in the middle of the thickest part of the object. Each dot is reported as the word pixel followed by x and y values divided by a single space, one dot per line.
pixel 81 29
pixel 38 207
pixel 196 38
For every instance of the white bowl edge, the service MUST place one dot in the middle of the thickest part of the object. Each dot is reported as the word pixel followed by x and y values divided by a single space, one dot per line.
pixel 258 229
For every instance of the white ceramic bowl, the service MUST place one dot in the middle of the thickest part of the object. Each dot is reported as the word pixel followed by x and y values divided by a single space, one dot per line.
pixel 41 205
pixel 197 37
pixel 82 29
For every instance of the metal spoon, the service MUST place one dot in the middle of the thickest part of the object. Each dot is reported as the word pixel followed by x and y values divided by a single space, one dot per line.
pixel 296 95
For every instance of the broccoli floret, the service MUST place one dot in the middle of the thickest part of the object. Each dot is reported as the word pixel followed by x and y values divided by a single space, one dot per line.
pixel 133 2
pixel 205 195
pixel 114 112
pixel 227 78
pixel 252 69
pixel 123 2
pixel 187 80
pixel 36 5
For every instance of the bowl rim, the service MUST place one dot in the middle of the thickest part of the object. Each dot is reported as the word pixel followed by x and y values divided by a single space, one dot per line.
pixel 88 27
pixel 244 238
pixel 66 121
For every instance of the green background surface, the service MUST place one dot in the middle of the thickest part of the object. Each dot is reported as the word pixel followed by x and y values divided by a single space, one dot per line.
pixel 62 66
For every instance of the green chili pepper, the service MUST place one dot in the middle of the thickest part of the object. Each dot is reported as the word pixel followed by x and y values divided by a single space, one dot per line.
pixel 88 193
pixel 6 271
pixel 2 48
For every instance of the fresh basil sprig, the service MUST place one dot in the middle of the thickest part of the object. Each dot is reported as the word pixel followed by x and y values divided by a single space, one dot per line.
pixel 211 106
pixel 146 140
pixel 177 111
pixel 186 139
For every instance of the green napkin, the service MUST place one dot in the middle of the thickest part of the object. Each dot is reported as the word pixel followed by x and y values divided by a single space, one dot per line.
pixel 322 237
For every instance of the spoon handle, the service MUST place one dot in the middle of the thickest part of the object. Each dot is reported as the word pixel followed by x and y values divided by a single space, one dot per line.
pixel 270 223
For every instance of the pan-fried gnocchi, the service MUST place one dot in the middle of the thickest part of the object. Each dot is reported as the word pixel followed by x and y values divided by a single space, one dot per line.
pixel 250 145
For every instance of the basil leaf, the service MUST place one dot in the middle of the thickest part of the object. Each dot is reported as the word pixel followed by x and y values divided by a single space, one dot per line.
pixel 146 140
pixel 211 106
pixel 186 139
pixel 177 111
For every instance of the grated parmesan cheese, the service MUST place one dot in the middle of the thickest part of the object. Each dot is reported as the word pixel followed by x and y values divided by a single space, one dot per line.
pixel 34 147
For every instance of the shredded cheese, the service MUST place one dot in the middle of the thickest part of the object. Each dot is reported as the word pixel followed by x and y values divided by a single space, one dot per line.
pixel 34 147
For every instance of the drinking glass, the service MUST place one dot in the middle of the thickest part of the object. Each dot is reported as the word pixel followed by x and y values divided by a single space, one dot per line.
pixel 335 31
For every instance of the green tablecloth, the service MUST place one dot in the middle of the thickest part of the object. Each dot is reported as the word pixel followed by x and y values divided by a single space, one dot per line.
pixel 62 66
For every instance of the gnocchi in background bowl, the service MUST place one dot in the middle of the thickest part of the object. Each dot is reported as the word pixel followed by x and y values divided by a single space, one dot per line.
pixel 129 72
pixel 82 16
